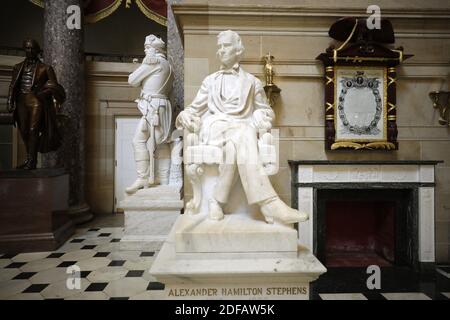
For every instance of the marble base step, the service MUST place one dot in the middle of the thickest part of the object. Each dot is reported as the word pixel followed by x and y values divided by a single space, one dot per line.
pixel 237 232
pixel 149 216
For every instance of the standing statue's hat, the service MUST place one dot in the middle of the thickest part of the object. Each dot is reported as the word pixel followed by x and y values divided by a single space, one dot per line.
pixel 155 42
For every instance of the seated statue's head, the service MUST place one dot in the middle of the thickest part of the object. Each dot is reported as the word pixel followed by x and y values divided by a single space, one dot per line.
pixel 230 48
pixel 154 45
pixel 32 48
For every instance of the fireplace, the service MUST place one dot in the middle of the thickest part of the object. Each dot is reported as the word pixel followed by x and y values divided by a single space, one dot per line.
pixel 362 227
pixel 367 212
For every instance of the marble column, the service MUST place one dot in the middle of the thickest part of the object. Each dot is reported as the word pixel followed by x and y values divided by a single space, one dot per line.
pixel 64 50
pixel 175 55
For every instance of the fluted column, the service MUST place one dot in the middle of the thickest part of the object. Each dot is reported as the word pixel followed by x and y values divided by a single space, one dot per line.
pixel 64 50
pixel 175 55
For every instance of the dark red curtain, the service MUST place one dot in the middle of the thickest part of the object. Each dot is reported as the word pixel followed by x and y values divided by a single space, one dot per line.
pixel 96 10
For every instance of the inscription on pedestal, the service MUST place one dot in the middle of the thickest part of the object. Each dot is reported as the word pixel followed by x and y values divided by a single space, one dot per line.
pixel 298 292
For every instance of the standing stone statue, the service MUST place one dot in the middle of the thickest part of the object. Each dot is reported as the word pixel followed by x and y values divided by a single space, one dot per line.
pixel 34 99
pixel 155 76
pixel 228 112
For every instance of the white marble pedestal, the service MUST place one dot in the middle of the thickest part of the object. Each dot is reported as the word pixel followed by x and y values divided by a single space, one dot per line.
pixel 238 258
pixel 149 216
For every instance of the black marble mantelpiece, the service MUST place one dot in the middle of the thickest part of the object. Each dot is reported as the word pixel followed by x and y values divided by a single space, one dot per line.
pixel 362 162
pixel 334 187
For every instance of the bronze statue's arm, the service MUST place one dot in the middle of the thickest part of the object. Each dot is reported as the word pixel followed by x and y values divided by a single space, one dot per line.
pixel 10 104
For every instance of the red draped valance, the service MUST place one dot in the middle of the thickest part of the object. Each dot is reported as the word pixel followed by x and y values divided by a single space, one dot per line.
pixel 96 10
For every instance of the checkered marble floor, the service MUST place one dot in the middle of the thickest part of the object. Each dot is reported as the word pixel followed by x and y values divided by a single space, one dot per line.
pixel 107 272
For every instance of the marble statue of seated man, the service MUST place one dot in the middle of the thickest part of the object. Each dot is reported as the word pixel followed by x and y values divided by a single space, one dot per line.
pixel 228 112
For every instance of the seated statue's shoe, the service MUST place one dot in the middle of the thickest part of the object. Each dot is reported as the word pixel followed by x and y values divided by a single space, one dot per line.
pixel 215 210
pixel 138 184
pixel 275 209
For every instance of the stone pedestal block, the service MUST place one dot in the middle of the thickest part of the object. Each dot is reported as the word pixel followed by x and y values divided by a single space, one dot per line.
pixel 255 269
pixel 149 216
pixel 33 211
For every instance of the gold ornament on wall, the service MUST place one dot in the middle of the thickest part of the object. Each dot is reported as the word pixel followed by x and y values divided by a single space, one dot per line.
pixel 441 101
pixel 271 89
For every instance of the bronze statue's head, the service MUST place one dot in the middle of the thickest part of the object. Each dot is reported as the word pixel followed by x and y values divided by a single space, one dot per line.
pixel 32 48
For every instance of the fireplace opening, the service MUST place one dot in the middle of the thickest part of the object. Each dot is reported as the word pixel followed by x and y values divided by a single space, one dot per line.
pixel 362 227
pixel 360 233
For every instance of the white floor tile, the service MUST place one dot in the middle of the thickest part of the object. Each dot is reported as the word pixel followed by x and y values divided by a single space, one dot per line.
pixel 12 287
pixel 89 296
pixel 50 276
pixel 126 287
pixel 60 290
pixel 107 274
pixel 149 295
pixel 406 296
pixel 78 255
pixel 93 264
pixel 8 274
pixel 26 296
pixel 4 263
pixel 41 265
pixel 342 296
pixel 30 256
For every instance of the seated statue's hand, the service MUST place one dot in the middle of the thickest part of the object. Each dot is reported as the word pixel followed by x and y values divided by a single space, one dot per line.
pixel 261 120
pixel 188 121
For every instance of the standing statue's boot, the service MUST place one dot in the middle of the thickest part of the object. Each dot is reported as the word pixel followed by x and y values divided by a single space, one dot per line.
pixel 33 141
pixel 137 184
pixel 26 160
pixel 23 165
pixel 142 169
pixel 275 209
pixel 215 210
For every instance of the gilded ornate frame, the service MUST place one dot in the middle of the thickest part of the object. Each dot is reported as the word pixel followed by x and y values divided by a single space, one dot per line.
pixel 355 57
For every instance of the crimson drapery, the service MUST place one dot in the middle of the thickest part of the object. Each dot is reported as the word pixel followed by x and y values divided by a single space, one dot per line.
pixel 96 10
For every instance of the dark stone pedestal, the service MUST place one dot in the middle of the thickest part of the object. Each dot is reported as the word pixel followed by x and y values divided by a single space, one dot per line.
pixel 33 210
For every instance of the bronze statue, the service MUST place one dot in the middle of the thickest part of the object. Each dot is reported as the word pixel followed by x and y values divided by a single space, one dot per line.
pixel 34 99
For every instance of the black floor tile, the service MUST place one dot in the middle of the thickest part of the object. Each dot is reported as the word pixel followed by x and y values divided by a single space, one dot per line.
pixel 35 288
pixel 446 269
pixel 440 296
pixel 116 263
pixel 8 256
pixel 66 264
pixel 374 296
pixel 104 234
pixel 134 273
pixel 115 240
pixel 15 265
pixel 87 247
pixel 96 286
pixel 77 240
pixel 84 274
pixel 24 275
pixel 101 254
pixel 119 298
pixel 94 229
pixel 55 255
pixel 156 286
pixel 147 254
